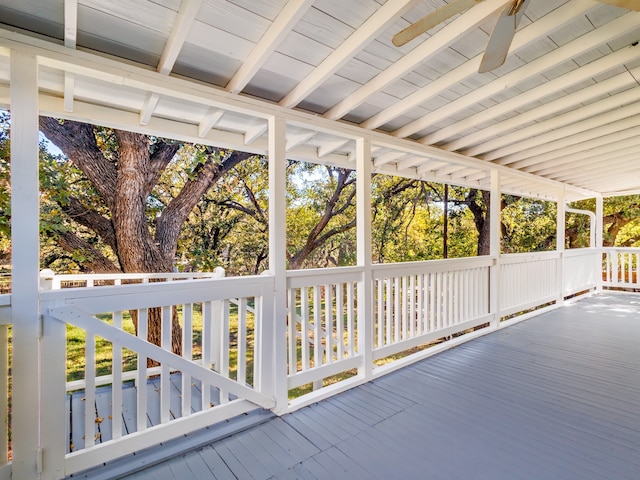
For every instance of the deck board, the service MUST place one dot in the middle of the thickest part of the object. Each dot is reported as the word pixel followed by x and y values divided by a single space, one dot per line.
pixel 555 397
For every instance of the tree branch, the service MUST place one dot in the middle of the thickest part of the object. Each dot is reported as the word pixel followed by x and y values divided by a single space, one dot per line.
pixel 91 219
pixel 93 259
pixel 78 142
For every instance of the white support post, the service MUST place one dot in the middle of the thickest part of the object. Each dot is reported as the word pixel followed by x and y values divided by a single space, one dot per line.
pixel 363 235
pixel 494 248
pixel 560 240
pixel 598 227
pixel 25 266
pixel 277 263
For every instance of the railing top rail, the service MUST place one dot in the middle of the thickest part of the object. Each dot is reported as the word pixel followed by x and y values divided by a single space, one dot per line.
pixel 102 299
pixel 577 252
pixel 622 249
pixel 132 276
pixel 332 271
pixel 528 256
pixel 435 265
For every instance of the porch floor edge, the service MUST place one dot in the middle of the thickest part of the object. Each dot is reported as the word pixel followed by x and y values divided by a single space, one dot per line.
pixel 143 459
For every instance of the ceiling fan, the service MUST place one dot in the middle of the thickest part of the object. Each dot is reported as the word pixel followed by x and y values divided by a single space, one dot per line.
pixel 502 34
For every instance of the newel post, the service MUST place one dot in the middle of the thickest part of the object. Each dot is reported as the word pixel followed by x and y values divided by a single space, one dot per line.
pixel 363 240
pixel 560 239
pixel 278 260
pixel 27 455
pixel 494 248
pixel 598 227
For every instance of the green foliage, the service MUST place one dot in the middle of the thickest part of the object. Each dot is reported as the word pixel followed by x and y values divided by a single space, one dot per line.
pixel 529 225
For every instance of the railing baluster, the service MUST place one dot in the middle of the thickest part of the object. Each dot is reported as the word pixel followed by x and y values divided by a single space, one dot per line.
pixel 241 367
pixel 317 332
pixel 224 346
pixel 292 331
pixel 187 352
pixel 340 320
pixel 207 327
pixel 141 381
pixel 165 372
pixel 116 386
pixel 350 319
pixel 304 339
pixel 328 320
pixel 90 390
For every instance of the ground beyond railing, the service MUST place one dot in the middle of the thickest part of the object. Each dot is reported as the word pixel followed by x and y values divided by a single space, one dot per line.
pixel 344 326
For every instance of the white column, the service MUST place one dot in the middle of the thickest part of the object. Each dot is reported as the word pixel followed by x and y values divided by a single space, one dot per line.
pixel 599 227
pixel 25 264
pixel 277 255
pixel 560 240
pixel 363 236
pixel 494 247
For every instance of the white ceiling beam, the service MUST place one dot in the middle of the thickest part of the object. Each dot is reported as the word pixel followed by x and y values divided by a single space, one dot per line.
pixel 602 144
pixel 597 168
pixel 330 147
pixel 574 167
pixel 69 91
pixel 477 176
pixel 70 23
pixel 209 121
pixel 466 173
pixel 290 15
pixel 429 166
pixel 533 95
pixel 616 28
pixel 507 144
pixel 577 133
pixel 255 132
pixel 410 162
pixel 294 141
pixel 607 181
pixel 436 43
pixel 70 38
pixel 389 157
pixel 450 169
pixel 161 127
pixel 541 27
pixel 149 107
pixel 384 17
pixel 181 27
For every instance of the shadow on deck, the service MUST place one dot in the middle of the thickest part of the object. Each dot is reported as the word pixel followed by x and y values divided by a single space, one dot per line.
pixel 555 397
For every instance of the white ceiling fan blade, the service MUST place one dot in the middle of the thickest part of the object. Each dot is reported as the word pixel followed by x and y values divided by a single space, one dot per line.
pixel 628 4
pixel 429 21
pixel 502 36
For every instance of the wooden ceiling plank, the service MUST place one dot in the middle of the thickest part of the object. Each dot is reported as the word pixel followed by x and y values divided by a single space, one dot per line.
pixel 541 27
pixel 149 107
pixel 290 15
pixel 558 84
pixel 430 47
pixel 614 29
pixel 496 147
pixel 602 144
pixel 594 127
pixel 384 17
pixel 294 141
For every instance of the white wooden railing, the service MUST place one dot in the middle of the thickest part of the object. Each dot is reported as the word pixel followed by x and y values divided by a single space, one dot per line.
pixel 5 378
pixel 528 280
pixel 227 353
pixel 620 268
pixel 344 326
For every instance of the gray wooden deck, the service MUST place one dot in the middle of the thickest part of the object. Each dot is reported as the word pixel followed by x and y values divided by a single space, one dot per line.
pixel 555 397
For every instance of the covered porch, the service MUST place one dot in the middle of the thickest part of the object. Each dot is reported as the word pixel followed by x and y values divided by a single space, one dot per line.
pixel 554 397
pixel 344 357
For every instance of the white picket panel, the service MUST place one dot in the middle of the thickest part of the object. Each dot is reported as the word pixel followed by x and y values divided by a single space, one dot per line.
pixel 419 302
pixel 528 280
pixel 98 311
pixel 321 324
pixel 582 266
pixel 620 269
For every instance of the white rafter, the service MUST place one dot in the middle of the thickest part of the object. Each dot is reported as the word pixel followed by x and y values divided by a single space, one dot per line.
pixel 70 38
pixel 209 121
pixel 533 95
pixel 255 132
pixel 430 47
pixel 385 16
pixel 616 28
pixel 279 29
pixel 498 146
pixel 534 31
pixel 577 133
pixel 181 27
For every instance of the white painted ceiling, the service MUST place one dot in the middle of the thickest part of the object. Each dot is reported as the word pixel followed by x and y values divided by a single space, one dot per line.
pixel 565 106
